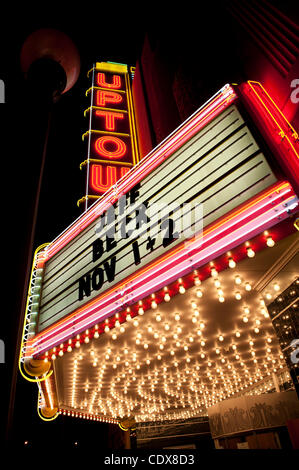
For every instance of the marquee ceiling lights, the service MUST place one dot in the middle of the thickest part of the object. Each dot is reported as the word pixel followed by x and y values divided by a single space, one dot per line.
pixel 181 357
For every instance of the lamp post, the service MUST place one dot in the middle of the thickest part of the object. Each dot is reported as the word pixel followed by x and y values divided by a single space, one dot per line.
pixel 50 63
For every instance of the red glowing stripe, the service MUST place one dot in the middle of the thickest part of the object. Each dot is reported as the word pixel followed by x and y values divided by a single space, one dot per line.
pixel 278 132
pixel 255 216
pixel 157 280
pixel 164 150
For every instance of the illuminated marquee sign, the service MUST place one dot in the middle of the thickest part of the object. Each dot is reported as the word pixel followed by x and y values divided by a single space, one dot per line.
pixel 123 249
pixel 112 144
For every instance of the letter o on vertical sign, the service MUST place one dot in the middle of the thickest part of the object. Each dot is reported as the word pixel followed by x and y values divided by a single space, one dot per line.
pixel 110 147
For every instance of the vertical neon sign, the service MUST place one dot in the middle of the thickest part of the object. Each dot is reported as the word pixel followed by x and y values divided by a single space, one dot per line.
pixel 111 138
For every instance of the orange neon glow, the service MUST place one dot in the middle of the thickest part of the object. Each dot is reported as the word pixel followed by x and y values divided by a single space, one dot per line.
pixel 103 97
pixel 110 118
pixel 280 115
pixel 101 81
pixel 101 147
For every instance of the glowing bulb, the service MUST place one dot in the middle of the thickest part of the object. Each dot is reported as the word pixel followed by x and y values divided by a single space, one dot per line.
pixel 221 298
pixel 270 242
pixel 198 293
pixel 245 319
pixel 231 263
pixel 238 334
pixel 214 272
pixel 177 317
pixel 221 338
pixel 166 295
pixel 158 317
pixel 154 304
pixel 276 286
pixel 217 283
pixel 250 252
pixel 182 289
pixel 238 280
pixel 238 295
pixel 140 311
pixel 247 286
pixel 197 281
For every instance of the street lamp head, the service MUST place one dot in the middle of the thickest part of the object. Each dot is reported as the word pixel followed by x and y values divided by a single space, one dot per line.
pixel 50 61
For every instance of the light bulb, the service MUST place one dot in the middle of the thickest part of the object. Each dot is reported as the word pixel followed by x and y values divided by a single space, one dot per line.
pixel 231 263
pixel 182 289
pixel 270 242
pixel 221 338
pixel 214 272
pixel 154 304
pixel 238 280
pixel 198 293
pixel 276 286
pixel 245 319
pixel 247 286
pixel 197 281
pixel 217 283
pixel 250 252
pixel 221 298
pixel 238 295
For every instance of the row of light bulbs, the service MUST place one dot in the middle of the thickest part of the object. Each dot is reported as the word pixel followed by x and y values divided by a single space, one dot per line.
pixel 95 333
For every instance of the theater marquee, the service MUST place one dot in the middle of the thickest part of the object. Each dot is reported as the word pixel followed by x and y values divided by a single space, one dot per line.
pixel 204 190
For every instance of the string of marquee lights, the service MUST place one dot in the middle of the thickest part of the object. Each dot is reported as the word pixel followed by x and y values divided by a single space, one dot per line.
pixel 87 416
pixel 179 286
pixel 274 205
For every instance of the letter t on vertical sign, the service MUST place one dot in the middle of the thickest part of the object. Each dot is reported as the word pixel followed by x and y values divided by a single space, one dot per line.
pixel 112 147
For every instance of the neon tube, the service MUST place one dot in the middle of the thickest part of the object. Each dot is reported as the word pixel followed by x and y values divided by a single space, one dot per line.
pixel 246 225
